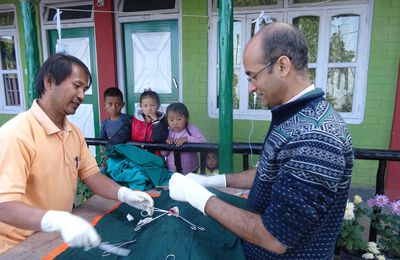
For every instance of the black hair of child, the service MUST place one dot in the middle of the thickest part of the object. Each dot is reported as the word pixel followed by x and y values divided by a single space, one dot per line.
pixel 151 94
pixel 181 109
pixel 113 92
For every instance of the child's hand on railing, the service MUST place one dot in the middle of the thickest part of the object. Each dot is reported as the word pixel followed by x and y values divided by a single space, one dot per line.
pixel 180 141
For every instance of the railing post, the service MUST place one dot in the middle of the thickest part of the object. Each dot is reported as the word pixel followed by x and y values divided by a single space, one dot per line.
pixel 245 161
pixel 379 189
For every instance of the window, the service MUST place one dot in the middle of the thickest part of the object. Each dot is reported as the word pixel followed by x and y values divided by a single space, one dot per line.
pixel 71 11
pixel 11 88
pixel 140 7
pixel 338 35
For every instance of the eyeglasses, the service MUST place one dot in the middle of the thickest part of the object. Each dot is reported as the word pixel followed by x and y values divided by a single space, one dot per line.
pixel 254 78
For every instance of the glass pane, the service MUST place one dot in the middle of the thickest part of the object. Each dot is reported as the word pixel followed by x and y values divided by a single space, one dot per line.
pixel 311 75
pixel 237 47
pixel 6 18
pixel 309 26
pixel 7 52
pixel 262 24
pixel 245 3
pixel 149 5
pixel 340 88
pixel 251 102
pixel 344 38
pixel 11 90
pixel 236 88
pixel 313 1
pixel 72 12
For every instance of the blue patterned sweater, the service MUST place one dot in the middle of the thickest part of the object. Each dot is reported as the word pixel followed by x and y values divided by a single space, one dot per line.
pixel 303 179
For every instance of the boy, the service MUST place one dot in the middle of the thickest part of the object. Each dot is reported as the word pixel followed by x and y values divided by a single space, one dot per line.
pixel 113 103
pixel 212 164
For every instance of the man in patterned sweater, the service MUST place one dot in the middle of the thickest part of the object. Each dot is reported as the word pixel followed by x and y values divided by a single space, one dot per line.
pixel 300 187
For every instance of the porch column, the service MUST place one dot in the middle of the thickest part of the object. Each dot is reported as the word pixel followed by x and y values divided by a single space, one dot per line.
pixel 31 47
pixel 225 55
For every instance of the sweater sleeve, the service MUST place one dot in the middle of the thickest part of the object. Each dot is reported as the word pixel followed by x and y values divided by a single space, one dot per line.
pixel 195 135
pixel 160 130
pixel 306 187
pixel 123 135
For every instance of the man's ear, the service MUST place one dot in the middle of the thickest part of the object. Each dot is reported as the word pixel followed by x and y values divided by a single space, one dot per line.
pixel 48 81
pixel 285 66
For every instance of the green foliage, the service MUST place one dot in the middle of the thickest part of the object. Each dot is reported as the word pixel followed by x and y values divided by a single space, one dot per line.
pixel 82 193
pixel 331 99
pixel 309 26
pixel 387 227
pixel 351 232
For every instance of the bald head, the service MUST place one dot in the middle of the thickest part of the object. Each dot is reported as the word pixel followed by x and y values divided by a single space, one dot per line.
pixel 278 39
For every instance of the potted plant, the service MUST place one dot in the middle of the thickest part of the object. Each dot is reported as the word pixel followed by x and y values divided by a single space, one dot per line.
pixel 385 218
pixel 350 238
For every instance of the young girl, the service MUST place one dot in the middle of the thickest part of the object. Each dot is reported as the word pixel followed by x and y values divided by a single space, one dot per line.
pixel 180 132
pixel 148 124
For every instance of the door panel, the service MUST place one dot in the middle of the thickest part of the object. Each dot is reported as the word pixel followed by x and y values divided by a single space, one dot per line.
pixel 79 42
pixel 151 60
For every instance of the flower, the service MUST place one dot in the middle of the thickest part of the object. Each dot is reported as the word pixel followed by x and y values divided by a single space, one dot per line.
pixel 395 207
pixel 373 248
pixel 351 231
pixel 385 218
pixel 368 256
pixel 357 199
pixel 349 212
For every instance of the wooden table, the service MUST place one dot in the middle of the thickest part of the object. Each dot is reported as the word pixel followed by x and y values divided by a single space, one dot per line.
pixel 41 244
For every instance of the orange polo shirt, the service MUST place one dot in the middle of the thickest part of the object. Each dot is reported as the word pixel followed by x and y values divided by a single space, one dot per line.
pixel 39 165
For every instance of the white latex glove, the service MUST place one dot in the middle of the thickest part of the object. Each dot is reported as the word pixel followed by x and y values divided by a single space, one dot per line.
pixel 208 181
pixel 137 199
pixel 74 230
pixel 185 189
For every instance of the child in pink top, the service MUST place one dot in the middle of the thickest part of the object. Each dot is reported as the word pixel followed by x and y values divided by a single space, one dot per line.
pixel 180 132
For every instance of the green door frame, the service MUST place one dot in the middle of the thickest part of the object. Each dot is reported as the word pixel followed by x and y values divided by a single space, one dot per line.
pixel 150 26
pixel 77 33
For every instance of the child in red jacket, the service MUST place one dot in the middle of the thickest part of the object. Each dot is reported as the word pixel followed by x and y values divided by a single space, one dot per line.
pixel 148 124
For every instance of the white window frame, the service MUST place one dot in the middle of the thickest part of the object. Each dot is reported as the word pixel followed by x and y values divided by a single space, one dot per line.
pixel 12 31
pixel 363 8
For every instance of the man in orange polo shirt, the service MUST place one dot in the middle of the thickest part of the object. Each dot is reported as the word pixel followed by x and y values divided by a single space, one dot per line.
pixel 41 157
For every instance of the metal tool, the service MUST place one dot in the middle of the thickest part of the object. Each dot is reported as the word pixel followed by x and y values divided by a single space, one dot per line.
pixel 115 248
pixel 147 220
pixel 192 226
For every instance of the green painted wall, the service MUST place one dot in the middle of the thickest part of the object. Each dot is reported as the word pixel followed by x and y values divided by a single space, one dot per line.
pixel 373 133
pixel 17 3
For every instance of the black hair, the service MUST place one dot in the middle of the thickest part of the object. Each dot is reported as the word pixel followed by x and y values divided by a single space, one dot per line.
pixel 181 109
pixel 151 94
pixel 285 40
pixel 59 67
pixel 113 92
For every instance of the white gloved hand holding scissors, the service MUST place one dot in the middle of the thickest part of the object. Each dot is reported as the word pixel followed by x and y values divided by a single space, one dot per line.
pixel 74 230
pixel 216 181
pixel 183 188
pixel 137 199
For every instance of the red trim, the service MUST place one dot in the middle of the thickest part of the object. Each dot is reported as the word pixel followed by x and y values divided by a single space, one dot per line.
pixel 393 168
pixel 105 50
